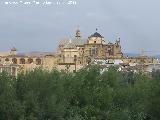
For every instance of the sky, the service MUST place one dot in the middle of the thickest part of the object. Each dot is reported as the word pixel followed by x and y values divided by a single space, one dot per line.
pixel 41 27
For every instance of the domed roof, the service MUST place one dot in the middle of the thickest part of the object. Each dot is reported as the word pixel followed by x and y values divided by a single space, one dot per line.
pixel 96 34
pixel 13 49
pixel 74 42
pixel 79 41
pixel 64 41
pixel 70 45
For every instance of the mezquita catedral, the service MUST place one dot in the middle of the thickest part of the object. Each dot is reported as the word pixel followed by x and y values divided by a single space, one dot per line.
pixel 73 54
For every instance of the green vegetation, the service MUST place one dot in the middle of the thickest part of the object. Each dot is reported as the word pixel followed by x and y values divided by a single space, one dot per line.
pixel 84 95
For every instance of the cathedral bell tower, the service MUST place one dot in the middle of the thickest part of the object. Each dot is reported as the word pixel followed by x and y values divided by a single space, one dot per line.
pixel 13 51
pixel 78 34
pixel 118 39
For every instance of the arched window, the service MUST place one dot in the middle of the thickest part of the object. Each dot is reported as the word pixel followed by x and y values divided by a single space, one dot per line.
pixel 14 60
pixel 7 59
pixel 38 61
pixel 22 61
pixel 30 60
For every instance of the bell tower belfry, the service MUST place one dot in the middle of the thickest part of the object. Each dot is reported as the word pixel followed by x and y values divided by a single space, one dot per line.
pixel 118 39
pixel 13 51
pixel 78 33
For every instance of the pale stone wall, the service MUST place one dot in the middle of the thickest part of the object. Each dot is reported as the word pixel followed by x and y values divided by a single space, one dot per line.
pixel 96 40
pixel 50 62
pixel 67 55
pixel 117 50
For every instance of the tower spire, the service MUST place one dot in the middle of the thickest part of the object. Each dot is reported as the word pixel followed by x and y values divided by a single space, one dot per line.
pixel 117 37
pixel 78 33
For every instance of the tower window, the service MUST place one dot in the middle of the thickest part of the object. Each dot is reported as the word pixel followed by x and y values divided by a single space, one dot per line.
pixel 14 60
pixel 94 41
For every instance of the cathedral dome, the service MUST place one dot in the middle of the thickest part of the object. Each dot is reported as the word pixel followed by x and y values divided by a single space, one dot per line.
pixel 96 34
pixel 64 41
pixel 70 45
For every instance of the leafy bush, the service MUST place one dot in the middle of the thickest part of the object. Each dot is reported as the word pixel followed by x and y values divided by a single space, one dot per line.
pixel 87 94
